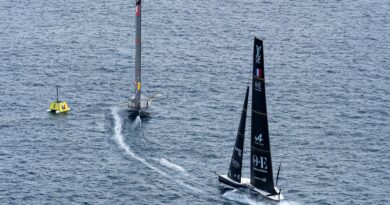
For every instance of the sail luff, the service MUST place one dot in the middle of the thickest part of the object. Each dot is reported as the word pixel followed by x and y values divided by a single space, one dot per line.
pixel 261 163
pixel 137 100
pixel 235 168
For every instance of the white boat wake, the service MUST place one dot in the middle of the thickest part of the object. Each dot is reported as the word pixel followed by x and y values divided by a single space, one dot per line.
pixel 174 166
pixel 120 140
pixel 244 198
pixel 289 203
pixel 123 145
pixel 239 197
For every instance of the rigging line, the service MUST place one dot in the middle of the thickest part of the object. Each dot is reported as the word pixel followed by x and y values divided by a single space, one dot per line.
pixel 277 175
pixel 249 79
pixel 280 163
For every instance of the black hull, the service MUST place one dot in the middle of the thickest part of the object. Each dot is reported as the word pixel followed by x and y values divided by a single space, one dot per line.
pixel 245 185
pixel 223 179
pixel 134 113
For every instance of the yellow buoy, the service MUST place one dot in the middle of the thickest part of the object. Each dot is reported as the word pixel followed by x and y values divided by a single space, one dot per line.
pixel 58 106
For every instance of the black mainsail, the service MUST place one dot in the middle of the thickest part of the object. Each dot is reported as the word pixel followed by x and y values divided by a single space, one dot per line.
pixel 261 164
pixel 138 103
pixel 235 168
pixel 261 177
pixel 137 100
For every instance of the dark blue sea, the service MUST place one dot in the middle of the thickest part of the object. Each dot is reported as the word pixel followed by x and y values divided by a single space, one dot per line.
pixel 328 96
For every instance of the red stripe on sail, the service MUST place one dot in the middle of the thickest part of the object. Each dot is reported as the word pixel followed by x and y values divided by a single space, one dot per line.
pixel 137 41
pixel 258 72
pixel 137 10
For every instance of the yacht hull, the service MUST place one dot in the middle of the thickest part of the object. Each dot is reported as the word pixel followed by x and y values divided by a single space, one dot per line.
pixel 245 185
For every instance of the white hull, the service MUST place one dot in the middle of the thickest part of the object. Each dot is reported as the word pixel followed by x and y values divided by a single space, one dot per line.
pixel 245 183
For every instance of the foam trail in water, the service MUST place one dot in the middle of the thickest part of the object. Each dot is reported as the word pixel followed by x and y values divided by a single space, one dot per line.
pixel 243 198
pixel 171 165
pixel 289 203
pixel 119 139
pixel 123 145
pixel 240 197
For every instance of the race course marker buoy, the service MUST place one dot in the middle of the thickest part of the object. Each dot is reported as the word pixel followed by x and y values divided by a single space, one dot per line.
pixel 58 106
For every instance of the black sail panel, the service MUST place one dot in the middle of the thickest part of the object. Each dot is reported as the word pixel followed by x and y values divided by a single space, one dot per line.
pixel 137 100
pixel 235 168
pixel 261 164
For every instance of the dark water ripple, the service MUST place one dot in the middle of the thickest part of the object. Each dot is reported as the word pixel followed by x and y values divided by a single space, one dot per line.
pixel 328 88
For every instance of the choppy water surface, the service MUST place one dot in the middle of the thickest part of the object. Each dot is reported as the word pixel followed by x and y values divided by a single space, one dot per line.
pixel 328 84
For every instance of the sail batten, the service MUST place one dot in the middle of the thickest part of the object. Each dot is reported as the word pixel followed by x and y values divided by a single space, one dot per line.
pixel 235 168
pixel 259 113
pixel 261 150
pixel 261 163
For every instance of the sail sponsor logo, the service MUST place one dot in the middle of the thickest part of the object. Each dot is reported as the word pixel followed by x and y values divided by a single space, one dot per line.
pixel 235 164
pixel 239 151
pixel 259 139
pixel 234 176
pixel 258 86
pixel 258 54
pixel 259 162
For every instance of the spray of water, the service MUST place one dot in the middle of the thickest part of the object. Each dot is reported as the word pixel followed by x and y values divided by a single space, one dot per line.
pixel 240 197
pixel 120 140
pixel 289 203
pixel 244 198
pixel 137 123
